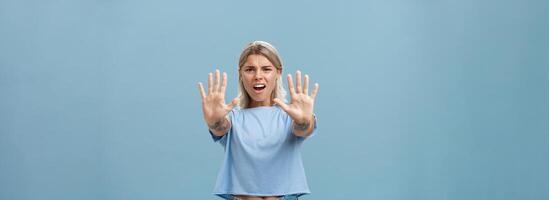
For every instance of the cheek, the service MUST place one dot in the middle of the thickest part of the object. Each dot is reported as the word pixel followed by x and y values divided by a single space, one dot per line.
pixel 273 83
pixel 246 81
pixel 271 77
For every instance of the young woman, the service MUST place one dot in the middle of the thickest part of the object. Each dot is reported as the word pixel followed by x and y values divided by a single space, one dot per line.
pixel 262 137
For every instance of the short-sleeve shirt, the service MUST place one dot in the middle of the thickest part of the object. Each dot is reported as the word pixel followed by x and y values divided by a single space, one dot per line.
pixel 262 155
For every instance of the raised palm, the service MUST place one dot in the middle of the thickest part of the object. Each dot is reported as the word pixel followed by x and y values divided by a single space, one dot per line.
pixel 301 104
pixel 213 103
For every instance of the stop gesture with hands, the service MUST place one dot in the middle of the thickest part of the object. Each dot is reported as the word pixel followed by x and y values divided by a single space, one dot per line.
pixel 301 104
pixel 300 108
pixel 213 103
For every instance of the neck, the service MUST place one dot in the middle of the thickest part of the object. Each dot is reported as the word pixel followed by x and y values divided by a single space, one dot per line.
pixel 254 104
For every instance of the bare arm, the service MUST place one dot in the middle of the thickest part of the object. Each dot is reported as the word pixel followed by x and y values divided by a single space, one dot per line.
pixel 304 129
pixel 220 127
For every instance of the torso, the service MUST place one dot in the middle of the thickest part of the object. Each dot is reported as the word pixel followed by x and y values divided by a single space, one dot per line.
pixel 262 159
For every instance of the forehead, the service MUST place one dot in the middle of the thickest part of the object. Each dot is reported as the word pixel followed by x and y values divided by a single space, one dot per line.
pixel 257 61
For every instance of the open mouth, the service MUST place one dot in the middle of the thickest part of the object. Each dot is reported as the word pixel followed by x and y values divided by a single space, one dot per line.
pixel 259 87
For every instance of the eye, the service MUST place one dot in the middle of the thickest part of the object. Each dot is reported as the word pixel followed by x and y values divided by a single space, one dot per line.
pixel 249 70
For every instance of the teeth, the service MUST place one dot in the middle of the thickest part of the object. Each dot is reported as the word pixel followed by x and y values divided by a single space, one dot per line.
pixel 259 85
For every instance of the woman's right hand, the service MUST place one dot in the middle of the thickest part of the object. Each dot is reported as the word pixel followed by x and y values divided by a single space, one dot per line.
pixel 213 103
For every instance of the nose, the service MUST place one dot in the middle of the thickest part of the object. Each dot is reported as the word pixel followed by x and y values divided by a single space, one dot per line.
pixel 258 75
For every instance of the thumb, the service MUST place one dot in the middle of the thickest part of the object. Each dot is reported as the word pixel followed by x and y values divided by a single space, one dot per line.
pixel 233 103
pixel 281 103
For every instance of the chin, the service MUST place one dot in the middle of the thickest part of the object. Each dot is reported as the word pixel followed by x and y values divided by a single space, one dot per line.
pixel 260 98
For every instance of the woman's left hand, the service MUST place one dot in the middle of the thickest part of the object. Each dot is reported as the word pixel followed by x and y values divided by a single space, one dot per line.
pixel 301 104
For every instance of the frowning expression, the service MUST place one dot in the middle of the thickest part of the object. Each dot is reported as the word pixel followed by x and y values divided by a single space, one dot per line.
pixel 259 78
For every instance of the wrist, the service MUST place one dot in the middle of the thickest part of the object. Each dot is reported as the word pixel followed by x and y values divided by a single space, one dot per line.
pixel 217 125
pixel 306 120
pixel 214 121
pixel 304 124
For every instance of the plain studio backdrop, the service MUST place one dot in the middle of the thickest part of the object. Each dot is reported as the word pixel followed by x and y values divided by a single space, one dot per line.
pixel 419 99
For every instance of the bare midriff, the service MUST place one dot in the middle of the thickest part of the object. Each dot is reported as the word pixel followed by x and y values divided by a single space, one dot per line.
pixel 243 197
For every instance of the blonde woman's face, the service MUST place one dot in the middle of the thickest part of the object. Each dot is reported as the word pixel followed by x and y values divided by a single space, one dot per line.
pixel 259 78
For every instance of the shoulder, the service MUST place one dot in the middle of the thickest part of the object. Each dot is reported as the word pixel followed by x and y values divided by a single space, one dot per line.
pixel 236 111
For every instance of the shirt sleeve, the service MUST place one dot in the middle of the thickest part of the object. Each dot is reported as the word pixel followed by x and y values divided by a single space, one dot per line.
pixel 221 139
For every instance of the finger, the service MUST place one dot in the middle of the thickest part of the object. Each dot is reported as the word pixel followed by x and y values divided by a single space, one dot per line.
pixel 210 83
pixel 223 84
pixel 202 93
pixel 216 81
pixel 281 103
pixel 306 85
pixel 315 90
pixel 233 103
pixel 298 81
pixel 291 85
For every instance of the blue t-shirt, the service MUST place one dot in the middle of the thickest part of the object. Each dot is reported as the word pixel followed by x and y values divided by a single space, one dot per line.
pixel 262 156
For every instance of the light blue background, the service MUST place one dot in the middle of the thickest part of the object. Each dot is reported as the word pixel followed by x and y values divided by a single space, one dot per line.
pixel 418 99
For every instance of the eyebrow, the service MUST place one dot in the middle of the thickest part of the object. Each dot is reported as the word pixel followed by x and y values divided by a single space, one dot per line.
pixel 251 66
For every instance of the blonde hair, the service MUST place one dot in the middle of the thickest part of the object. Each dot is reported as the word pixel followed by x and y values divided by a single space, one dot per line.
pixel 269 51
